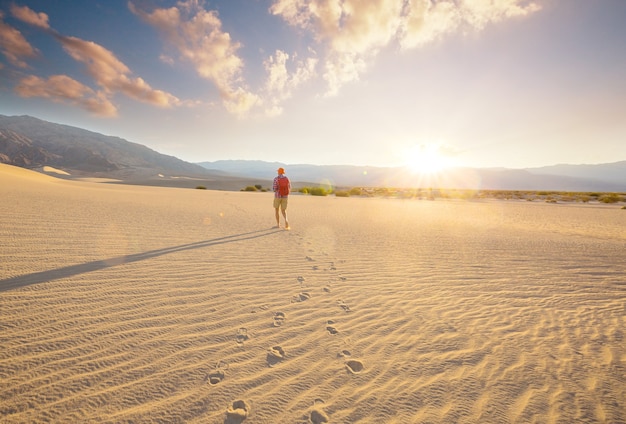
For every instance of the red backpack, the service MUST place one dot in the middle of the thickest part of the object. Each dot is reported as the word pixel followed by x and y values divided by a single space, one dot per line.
pixel 283 186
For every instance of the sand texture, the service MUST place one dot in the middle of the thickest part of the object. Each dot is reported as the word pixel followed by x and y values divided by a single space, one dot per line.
pixel 130 304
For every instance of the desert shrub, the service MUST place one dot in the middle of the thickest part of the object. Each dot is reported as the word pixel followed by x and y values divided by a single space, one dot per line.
pixel 250 188
pixel 315 191
pixel 355 191
pixel 610 198
pixel 318 191
pixel 201 188
pixel 382 191
pixel 258 186
pixel 342 193
pixel 406 194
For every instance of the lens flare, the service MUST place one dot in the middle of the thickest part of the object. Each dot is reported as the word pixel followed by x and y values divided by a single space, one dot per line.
pixel 427 159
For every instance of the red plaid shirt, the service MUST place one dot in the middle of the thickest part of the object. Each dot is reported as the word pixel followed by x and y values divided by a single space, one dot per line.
pixel 275 186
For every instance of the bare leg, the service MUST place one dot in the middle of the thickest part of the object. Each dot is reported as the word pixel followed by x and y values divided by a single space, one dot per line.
pixel 277 218
pixel 284 216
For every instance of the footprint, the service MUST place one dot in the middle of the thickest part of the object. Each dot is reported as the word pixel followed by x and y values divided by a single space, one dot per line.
pixel 329 327
pixel 301 297
pixel 218 373
pixel 327 289
pixel 279 319
pixel 216 376
pixel 317 415
pixel 275 355
pixel 300 279
pixel 354 366
pixel 343 306
pixel 237 412
pixel 262 307
pixel 344 354
pixel 242 335
pixel 332 330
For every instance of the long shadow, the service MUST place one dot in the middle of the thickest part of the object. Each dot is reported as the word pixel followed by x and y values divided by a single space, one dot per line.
pixel 69 271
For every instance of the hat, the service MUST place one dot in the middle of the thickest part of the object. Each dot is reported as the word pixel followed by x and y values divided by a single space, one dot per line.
pixel 281 170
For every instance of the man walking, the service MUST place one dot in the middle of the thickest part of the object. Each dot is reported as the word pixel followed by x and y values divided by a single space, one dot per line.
pixel 281 188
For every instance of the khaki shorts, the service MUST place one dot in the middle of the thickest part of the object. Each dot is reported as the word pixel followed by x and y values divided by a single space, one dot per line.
pixel 280 202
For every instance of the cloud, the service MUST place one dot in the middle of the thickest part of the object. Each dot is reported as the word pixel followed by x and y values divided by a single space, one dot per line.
pixel 479 13
pixel 103 66
pixel 63 89
pixel 25 14
pixel 426 21
pixel 281 83
pixel 14 46
pixel 353 32
pixel 113 75
pixel 198 38
pixel 349 35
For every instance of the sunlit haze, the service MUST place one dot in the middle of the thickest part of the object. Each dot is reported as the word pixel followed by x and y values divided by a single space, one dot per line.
pixel 428 159
pixel 423 84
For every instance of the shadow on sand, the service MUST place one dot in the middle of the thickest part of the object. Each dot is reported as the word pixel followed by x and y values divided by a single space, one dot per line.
pixel 69 271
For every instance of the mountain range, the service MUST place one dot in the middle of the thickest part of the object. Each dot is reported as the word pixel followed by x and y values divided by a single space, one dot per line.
pixel 32 143
pixel 603 177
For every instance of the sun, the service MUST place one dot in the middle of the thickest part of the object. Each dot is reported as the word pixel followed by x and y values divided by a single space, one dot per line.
pixel 427 159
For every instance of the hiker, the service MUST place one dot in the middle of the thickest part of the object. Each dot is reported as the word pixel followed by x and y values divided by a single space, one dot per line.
pixel 281 187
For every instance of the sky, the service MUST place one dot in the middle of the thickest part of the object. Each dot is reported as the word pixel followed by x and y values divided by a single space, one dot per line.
pixel 421 83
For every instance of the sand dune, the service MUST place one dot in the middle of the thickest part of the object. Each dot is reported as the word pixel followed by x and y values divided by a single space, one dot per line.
pixel 123 304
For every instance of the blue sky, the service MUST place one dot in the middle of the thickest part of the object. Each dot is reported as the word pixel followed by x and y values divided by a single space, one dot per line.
pixel 482 83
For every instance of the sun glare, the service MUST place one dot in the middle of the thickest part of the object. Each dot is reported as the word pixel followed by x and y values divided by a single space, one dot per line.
pixel 427 159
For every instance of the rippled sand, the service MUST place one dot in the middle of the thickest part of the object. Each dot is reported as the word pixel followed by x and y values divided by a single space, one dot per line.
pixel 145 304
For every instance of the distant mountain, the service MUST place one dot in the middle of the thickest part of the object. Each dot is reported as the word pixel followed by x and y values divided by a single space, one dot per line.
pixel 614 173
pixel 606 177
pixel 32 143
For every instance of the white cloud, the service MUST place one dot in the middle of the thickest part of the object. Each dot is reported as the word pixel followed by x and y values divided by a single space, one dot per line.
pixel 197 36
pixel 281 83
pixel 240 101
pixel 341 69
pixel 353 31
pixel 426 21
pixel 113 75
pixel 479 13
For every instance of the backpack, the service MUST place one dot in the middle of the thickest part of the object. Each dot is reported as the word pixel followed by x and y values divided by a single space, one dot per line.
pixel 283 186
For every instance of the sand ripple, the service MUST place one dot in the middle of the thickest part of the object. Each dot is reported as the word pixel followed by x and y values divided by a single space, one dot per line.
pixel 141 304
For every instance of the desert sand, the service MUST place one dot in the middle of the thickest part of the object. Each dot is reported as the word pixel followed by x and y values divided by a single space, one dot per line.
pixel 131 304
